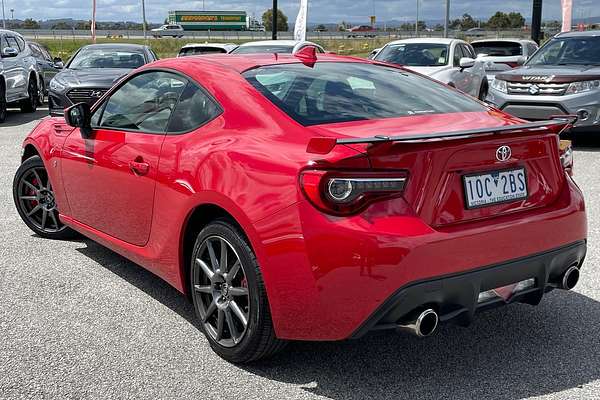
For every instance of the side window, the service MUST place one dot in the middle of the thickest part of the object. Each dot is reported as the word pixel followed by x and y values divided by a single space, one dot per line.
pixel 195 109
pixel 4 43
pixel 12 42
pixel 144 103
pixel 35 50
pixel 468 51
pixel 457 55
pixel 45 54
pixel 21 43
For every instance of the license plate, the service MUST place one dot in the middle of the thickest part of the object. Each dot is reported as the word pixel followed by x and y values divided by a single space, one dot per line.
pixel 495 187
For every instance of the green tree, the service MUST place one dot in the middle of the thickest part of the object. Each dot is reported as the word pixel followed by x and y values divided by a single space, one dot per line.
pixel 61 26
pixel 516 20
pixel 30 23
pixel 467 22
pixel 321 28
pixel 499 20
pixel 282 20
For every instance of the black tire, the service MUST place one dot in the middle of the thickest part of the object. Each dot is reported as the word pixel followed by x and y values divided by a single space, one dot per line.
pixel 34 199
pixel 483 91
pixel 3 105
pixel 41 91
pixel 257 339
pixel 29 105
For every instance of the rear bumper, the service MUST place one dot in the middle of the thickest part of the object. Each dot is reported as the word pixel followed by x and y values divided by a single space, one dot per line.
pixel 456 297
pixel 328 277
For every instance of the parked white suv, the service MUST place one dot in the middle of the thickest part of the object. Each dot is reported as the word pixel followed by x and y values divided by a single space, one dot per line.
pixel 450 61
pixel 171 30
pixel 19 79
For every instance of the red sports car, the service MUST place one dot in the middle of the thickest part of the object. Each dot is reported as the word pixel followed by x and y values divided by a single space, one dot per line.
pixel 310 197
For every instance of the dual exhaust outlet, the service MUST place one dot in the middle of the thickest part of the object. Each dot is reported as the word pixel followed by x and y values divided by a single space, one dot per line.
pixel 425 323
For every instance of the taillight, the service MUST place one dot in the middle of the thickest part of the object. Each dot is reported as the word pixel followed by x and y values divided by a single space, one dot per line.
pixel 348 192
pixel 566 156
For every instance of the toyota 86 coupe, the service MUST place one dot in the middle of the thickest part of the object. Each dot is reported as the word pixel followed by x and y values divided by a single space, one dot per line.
pixel 311 196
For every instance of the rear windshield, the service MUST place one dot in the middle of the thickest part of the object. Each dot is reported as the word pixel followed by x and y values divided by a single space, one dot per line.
pixel 194 51
pixel 415 54
pixel 498 49
pixel 279 49
pixel 332 92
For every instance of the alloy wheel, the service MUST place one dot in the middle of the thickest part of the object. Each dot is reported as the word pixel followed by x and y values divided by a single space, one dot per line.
pixel 37 202
pixel 221 291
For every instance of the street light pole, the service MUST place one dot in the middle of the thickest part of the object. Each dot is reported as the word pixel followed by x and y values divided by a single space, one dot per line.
pixel 274 36
pixel 417 21
pixel 144 19
pixel 3 16
pixel 447 20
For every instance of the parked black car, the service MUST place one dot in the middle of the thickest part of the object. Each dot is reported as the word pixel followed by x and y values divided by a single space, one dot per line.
pixel 47 67
pixel 92 71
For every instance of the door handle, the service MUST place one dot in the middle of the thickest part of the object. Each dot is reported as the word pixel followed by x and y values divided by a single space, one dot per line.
pixel 139 167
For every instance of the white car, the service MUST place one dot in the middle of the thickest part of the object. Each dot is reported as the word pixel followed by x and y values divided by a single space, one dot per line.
pixel 503 54
pixel 195 49
pixel 170 30
pixel 450 61
pixel 275 46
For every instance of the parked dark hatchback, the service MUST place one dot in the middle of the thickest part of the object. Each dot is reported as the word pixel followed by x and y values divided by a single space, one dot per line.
pixel 92 71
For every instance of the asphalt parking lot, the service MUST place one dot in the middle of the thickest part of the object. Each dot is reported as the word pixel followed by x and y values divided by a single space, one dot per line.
pixel 79 321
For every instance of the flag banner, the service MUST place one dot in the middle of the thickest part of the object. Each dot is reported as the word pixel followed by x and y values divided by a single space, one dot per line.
pixel 300 27
pixel 93 27
pixel 567 14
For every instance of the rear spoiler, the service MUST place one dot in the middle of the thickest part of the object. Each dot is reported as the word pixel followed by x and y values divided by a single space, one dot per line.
pixel 324 145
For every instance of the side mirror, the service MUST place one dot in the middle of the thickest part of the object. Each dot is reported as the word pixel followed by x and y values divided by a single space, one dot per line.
pixel 80 116
pixel 9 52
pixel 521 60
pixel 58 63
pixel 466 62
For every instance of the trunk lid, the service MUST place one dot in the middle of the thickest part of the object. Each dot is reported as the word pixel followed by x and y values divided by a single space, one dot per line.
pixel 435 189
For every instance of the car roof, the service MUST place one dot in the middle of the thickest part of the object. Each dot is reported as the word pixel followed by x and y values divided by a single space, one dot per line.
pixel 216 45
pixel 129 46
pixel 578 34
pixel 503 40
pixel 427 40
pixel 290 43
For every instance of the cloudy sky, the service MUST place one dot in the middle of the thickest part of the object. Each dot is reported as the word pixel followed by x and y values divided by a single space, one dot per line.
pixel 319 11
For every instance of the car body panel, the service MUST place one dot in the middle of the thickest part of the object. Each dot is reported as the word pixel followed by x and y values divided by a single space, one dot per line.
pixel 324 275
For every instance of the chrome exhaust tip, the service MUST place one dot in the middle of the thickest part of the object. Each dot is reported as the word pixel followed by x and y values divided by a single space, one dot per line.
pixel 570 278
pixel 425 324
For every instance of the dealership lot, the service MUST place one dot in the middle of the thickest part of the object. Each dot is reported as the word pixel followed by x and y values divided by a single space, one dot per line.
pixel 77 320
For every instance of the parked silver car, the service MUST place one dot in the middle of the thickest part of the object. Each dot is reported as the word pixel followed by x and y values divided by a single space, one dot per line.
pixel 47 68
pixel 562 77
pixel 19 85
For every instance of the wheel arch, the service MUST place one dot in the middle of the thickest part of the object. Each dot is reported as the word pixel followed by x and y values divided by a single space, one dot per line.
pixel 199 217
pixel 29 150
